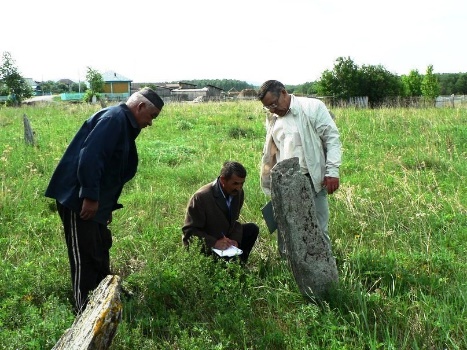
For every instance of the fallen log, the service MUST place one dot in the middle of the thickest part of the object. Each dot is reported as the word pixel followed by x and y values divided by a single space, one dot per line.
pixel 95 328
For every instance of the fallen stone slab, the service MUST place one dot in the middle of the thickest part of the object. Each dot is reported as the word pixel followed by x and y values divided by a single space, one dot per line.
pixel 95 328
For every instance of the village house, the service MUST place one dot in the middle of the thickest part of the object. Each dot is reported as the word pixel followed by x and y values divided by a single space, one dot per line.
pixel 116 86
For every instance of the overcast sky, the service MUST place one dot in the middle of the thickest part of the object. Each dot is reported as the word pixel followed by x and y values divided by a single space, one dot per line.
pixel 250 40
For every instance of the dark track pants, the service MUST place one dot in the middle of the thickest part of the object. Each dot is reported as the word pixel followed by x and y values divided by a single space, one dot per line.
pixel 250 234
pixel 88 244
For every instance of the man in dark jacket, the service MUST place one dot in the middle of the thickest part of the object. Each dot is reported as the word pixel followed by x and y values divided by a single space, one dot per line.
pixel 213 211
pixel 88 181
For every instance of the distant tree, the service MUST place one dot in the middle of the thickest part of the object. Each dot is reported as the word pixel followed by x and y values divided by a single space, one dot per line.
pixel 4 91
pixel 342 82
pixel 378 83
pixel 13 83
pixel 290 88
pixel 308 89
pixel 348 80
pixel 62 88
pixel 452 83
pixel 447 83
pixel 224 84
pixel 49 87
pixel 460 87
pixel 412 83
pixel 81 87
pixel 96 84
pixel 152 86
pixel 430 87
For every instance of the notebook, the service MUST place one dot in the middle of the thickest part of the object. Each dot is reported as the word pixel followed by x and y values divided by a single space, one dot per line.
pixel 268 215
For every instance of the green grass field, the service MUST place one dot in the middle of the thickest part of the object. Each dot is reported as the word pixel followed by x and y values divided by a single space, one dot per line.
pixel 398 228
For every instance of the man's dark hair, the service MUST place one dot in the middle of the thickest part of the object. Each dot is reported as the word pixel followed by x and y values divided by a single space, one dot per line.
pixel 230 168
pixel 273 86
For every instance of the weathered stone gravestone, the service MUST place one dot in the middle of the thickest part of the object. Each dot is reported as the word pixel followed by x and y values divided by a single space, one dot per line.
pixel 28 132
pixel 95 328
pixel 307 249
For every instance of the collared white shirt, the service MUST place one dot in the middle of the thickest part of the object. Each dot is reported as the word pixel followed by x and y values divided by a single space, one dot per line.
pixel 317 146
pixel 287 139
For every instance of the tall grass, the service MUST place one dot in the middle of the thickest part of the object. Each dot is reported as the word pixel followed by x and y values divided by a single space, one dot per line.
pixel 398 229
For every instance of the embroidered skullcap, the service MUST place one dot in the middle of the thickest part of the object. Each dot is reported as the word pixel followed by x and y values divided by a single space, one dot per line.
pixel 153 97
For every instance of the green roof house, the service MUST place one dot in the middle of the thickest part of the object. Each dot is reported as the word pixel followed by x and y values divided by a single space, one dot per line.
pixel 116 86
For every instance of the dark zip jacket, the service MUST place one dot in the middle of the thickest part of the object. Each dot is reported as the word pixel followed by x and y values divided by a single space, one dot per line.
pixel 100 159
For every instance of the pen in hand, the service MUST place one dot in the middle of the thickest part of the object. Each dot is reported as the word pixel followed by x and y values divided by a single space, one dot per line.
pixel 224 242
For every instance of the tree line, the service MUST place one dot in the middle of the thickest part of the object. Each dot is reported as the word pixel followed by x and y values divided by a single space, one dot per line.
pixel 347 80
pixel 224 84
pixel 344 81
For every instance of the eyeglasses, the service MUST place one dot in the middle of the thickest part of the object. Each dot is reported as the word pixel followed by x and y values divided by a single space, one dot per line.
pixel 272 105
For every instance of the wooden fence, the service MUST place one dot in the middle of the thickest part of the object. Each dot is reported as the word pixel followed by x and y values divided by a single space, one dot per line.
pixel 453 101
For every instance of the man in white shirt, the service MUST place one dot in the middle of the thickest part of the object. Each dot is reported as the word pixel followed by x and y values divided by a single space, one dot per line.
pixel 301 127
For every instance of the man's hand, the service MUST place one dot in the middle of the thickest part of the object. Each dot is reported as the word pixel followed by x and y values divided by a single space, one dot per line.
pixel 89 209
pixel 331 184
pixel 225 243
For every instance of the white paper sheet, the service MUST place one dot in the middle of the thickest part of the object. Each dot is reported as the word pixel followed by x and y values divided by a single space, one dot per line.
pixel 230 251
